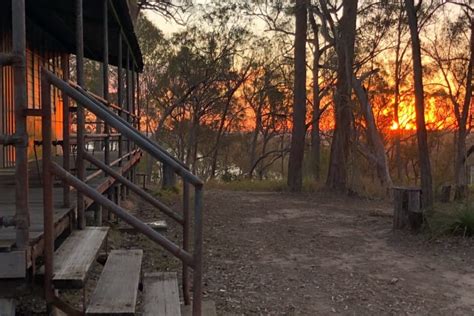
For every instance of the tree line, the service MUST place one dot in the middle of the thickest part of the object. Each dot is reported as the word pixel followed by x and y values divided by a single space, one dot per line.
pixel 346 90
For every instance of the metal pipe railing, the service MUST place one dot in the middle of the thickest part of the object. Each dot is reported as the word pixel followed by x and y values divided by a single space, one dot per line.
pixel 112 106
pixel 122 213
pixel 109 117
pixel 124 127
pixel 186 232
pixel 197 275
pixel 80 114
pixel 48 207
pixel 139 191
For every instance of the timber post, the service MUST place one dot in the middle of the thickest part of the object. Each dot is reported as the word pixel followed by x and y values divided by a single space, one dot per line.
pixel 407 208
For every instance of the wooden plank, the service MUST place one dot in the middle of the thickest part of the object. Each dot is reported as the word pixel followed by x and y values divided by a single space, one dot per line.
pixel 12 264
pixel 161 294
pixel 7 307
pixel 6 245
pixel 208 309
pixel 75 256
pixel 116 291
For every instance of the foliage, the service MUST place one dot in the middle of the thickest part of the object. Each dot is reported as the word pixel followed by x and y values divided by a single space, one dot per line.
pixel 219 91
pixel 451 219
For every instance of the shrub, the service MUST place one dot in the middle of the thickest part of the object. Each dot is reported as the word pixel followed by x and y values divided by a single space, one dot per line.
pixel 451 219
pixel 463 222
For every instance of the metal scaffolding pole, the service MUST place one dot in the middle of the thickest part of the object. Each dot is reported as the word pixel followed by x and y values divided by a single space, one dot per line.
pixel 66 131
pixel 22 217
pixel 120 89
pixel 128 95
pixel 81 219
pixel 138 102
pixel 105 78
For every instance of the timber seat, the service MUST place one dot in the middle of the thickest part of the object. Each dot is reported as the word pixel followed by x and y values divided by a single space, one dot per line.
pixel 116 290
pixel 74 258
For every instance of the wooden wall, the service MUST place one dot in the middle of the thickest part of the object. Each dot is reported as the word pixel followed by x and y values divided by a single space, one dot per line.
pixel 42 51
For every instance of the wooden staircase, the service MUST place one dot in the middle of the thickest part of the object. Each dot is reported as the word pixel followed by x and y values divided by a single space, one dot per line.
pixel 117 289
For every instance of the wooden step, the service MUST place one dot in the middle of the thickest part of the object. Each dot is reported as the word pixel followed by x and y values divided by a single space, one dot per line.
pixel 208 309
pixel 116 291
pixel 161 294
pixel 7 307
pixel 13 264
pixel 74 258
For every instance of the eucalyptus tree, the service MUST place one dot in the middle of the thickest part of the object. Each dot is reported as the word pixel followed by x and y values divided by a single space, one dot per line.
pixel 421 132
pixel 341 33
pixel 452 53
pixel 298 134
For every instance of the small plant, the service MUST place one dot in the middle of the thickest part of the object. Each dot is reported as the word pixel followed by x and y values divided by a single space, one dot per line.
pixel 463 222
pixel 451 219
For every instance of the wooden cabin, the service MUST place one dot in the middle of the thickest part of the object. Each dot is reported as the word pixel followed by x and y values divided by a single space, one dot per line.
pixel 65 151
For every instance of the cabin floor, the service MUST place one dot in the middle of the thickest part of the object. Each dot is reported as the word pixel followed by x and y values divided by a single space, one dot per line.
pixel 63 217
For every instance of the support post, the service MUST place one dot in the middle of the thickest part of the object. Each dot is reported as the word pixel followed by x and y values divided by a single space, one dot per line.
pixel 21 150
pixel 66 132
pixel 197 258
pixel 138 114
pixel 120 91
pixel 134 117
pixel 169 177
pixel 186 232
pixel 128 96
pixel 48 207
pixel 105 77
pixel 98 215
pixel 81 218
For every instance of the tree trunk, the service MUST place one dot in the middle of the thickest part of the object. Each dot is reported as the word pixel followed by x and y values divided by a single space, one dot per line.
pixel 396 103
pixel 253 145
pixel 315 129
pixel 218 141
pixel 295 164
pixel 374 138
pixel 337 174
pixel 460 172
pixel 421 133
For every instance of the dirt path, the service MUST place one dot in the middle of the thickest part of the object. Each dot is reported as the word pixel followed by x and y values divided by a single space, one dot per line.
pixel 319 254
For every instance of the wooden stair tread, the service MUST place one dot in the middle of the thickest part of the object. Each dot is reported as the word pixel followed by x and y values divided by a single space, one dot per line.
pixel 208 309
pixel 7 307
pixel 116 291
pixel 74 258
pixel 161 294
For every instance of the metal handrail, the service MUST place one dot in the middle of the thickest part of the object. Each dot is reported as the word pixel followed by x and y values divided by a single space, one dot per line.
pixel 178 165
pixel 50 167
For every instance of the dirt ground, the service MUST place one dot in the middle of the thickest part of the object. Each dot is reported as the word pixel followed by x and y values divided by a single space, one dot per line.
pixel 321 254
pixel 311 254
